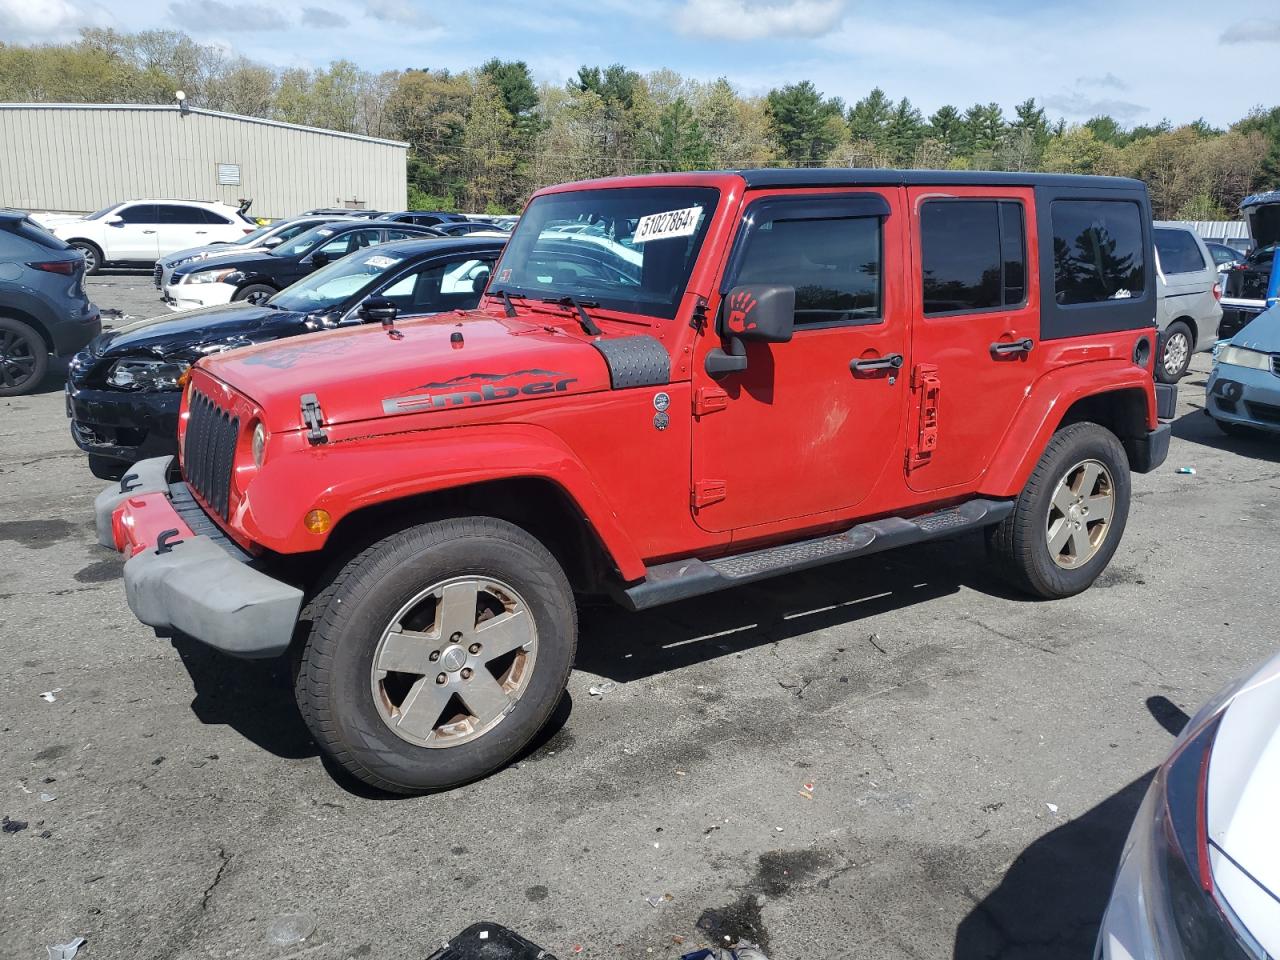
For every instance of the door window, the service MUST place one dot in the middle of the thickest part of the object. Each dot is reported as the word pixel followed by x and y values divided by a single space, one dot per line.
pixel 140 213
pixel 353 240
pixel 439 287
pixel 1178 252
pixel 1097 251
pixel 973 256
pixel 393 235
pixel 173 213
pixel 833 263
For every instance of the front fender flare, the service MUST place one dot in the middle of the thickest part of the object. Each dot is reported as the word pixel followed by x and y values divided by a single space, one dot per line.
pixel 1042 412
pixel 347 476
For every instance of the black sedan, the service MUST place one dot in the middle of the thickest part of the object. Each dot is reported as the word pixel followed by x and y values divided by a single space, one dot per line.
pixel 255 275
pixel 123 390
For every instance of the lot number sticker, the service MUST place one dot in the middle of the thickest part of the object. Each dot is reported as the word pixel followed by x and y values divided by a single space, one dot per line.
pixel 663 226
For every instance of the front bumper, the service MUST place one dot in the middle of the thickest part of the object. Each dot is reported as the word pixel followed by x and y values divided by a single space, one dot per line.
pixel 1245 396
pixel 1149 452
pixel 122 425
pixel 190 296
pixel 183 574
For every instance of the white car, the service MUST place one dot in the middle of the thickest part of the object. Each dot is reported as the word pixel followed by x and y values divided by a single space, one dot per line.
pixel 1200 873
pixel 143 231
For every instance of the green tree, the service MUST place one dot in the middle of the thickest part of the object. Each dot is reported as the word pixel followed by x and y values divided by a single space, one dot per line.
pixel 1267 124
pixel 984 126
pixel 801 122
pixel 870 117
pixel 947 127
pixel 681 143
pixel 904 132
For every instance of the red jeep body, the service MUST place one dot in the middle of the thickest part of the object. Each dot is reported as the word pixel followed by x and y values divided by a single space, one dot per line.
pixel 668 455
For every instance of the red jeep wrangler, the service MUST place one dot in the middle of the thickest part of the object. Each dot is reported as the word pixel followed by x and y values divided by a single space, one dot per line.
pixel 675 384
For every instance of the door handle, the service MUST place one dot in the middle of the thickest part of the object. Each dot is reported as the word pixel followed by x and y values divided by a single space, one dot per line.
pixel 1013 347
pixel 890 361
pixel 148 231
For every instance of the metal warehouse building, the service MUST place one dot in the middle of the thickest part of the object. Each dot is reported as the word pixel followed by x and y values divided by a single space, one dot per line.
pixel 79 157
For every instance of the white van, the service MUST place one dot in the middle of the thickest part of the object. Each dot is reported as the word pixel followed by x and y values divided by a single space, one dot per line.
pixel 1187 308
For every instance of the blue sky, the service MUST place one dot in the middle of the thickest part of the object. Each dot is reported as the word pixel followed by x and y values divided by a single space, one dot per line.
pixel 1140 60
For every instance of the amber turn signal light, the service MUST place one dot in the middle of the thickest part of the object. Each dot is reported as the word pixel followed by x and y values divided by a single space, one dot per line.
pixel 318 521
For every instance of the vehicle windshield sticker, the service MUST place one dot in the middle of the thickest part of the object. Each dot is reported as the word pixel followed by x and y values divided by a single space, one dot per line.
pixel 664 226
pixel 324 233
pixel 381 262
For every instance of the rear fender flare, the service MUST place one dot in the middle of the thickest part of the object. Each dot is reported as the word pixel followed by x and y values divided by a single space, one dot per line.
pixel 1042 413
pixel 347 476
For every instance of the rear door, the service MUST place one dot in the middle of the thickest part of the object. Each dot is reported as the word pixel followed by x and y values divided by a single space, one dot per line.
pixel 182 226
pixel 812 424
pixel 975 328
pixel 136 237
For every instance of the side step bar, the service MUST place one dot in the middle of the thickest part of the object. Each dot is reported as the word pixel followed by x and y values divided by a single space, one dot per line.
pixel 680 579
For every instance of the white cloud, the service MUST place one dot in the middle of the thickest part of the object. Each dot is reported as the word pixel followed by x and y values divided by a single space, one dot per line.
pixel 321 17
pixel 48 19
pixel 398 11
pixel 1107 81
pixel 214 15
pixel 1078 105
pixel 756 19
pixel 1252 31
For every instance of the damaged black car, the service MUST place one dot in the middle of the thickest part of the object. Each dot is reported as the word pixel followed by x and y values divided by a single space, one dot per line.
pixel 123 390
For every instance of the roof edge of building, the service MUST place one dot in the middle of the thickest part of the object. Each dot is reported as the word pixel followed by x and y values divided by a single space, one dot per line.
pixel 201 111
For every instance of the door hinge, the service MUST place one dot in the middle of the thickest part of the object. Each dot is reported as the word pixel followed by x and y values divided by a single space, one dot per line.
pixel 313 419
pixel 925 381
pixel 707 492
pixel 709 400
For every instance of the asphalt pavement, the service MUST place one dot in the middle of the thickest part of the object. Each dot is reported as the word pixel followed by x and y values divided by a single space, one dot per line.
pixel 894 757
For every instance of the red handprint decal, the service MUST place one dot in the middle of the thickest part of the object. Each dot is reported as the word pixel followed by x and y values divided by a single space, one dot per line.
pixel 740 307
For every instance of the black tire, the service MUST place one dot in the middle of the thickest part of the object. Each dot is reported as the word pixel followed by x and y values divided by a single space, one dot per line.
pixel 92 256
pixel 24 358
pixel 1177 339
pixel 105 468
pixel 334 669
pixel 255 292
pixel 1020 543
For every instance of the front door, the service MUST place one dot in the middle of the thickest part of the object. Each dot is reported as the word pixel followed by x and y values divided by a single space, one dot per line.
pixel 811 424
pixel 136 237
pixel 975 329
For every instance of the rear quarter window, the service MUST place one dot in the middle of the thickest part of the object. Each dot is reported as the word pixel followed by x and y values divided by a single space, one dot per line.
pixel 1178 252
pixel 34 233
pixel 1098 252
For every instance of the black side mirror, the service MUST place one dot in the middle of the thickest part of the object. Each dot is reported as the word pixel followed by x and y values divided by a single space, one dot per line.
pixel 319 259
pixel 272 242
pixel 753 311
pixel 378 310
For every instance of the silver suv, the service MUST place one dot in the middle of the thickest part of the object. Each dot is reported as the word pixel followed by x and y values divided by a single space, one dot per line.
pixel 1187 310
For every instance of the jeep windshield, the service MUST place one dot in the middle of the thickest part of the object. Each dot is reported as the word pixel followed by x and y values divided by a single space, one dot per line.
pixel 630 249
pixel 333 285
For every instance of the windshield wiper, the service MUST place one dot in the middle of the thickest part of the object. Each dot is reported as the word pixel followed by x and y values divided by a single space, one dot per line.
pixel 588 325
pixel 506 300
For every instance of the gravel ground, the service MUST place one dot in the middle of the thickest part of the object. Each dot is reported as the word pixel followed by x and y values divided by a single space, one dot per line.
pixel 974 758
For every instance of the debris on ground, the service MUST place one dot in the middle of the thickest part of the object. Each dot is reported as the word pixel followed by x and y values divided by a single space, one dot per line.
pixel 1190 471
pixel 1053 807
pixel 48 797
pixel 658 900
pixel 48 695
pixel 66 951
pixel 874 640
pixel 743 950
pixel 806 790
pixel 290 928
pixel 13 826
pixel 600 689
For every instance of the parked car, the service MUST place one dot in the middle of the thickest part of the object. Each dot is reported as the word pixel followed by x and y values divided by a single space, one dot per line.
pixel 465 227
pixel 257 274
pixel 123 390
pixel 264 238
pixel 1189 311
pixel 339 212
pixel 1242 394
pixel 1200 872
pixel 43 306
pixel 804 365
pixel 1224 256
pixel 424 218
pixel 143 231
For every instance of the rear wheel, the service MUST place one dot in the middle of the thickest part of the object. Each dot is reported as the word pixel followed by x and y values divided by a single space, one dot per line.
pixel 92 256
pixel 1069 518
pixel 437 654
pixel 255 293
pixel 1175 353
pixel 24 357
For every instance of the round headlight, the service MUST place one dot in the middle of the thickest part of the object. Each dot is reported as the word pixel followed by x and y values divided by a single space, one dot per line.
pixel 259 444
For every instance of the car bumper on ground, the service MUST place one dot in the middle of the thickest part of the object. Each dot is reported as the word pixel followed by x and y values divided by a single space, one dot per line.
pixel 183 573
pixel 76 332
pixel 191 296
pixel 1243 395
pixel 120 426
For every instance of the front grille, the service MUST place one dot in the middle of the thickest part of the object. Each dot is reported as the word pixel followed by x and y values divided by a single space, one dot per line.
pixel 1266 412
pixel 1275 364
pixel 209 451
pixel 159 273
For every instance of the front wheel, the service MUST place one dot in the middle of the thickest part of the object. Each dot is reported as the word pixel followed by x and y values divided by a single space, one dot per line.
pixel 1068 520
pixel 255 293
pixel 437 654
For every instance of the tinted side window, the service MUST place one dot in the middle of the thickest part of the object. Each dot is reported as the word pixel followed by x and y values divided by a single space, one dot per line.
pixel 177 213
pixel 834 264
pixel 1179 252
pixel 973 255
pixel 140 213
pixel 1097 251
pixel 37 234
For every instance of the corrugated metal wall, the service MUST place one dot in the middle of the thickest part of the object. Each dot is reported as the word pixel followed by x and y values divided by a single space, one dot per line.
pixel 80 158
pixel 1211 229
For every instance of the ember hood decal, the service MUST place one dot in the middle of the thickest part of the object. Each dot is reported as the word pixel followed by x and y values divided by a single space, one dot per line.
pixel 490 377
pixel 473 388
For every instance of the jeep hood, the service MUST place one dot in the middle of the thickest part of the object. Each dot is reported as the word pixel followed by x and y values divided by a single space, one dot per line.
pixel 363 373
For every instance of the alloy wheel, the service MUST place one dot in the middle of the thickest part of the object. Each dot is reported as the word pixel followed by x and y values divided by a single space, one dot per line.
pixel 17 359
pixel 1177 351
pixel 454 661
pixel 1080 514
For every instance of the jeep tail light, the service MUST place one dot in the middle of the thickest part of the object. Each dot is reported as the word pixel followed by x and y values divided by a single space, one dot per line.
pixel 65 267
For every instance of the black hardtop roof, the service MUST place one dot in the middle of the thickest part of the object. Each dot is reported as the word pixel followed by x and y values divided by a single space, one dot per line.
pixel 841 177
